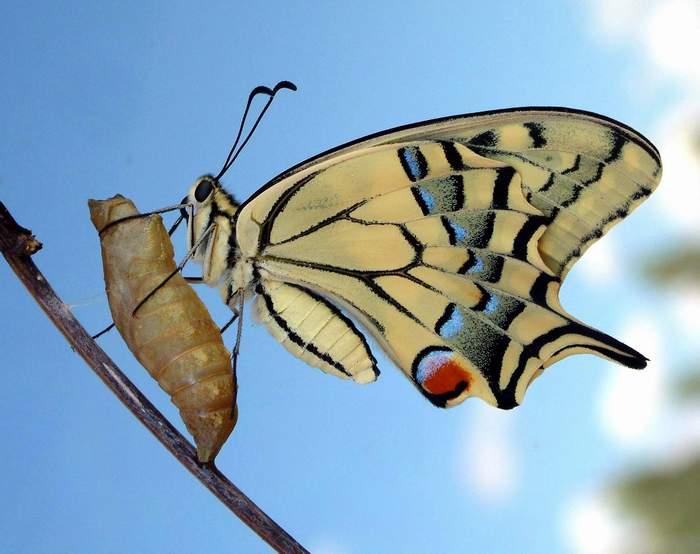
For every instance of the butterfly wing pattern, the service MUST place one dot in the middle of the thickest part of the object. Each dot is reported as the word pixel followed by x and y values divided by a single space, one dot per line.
pixel 448 241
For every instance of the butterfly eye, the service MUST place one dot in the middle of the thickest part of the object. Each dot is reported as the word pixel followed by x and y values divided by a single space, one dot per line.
pixel 203 190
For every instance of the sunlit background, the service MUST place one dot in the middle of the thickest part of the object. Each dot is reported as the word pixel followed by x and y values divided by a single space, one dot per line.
pixel 142 97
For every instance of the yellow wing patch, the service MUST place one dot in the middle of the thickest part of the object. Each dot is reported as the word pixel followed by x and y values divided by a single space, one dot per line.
pixel 351 245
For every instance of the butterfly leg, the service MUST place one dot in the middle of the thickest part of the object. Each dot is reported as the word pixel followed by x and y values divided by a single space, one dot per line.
pixel 238 314
pixel 229 322
pixel 105 330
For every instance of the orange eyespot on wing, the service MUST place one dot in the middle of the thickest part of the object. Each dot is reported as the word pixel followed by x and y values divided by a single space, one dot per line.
pixel 441 376
pixel 172 335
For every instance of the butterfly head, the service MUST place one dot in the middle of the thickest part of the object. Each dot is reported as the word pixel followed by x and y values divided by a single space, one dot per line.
pixel 211 204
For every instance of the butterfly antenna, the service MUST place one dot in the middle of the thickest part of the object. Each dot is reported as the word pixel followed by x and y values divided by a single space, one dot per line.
pixel 253 94
pixel 233 154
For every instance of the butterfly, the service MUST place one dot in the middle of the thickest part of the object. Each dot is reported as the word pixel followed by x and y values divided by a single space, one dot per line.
pixel 446 241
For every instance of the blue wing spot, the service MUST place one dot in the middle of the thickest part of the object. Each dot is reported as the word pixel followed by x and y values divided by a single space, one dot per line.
pixel 478 266
pixel 428 199
pixel 455 232
pixel 453 325
pixel 460 232
pixel 413 162
pixel 409 156
pixel 492 304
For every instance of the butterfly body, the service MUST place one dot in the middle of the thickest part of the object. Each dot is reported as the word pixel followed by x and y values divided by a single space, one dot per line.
pixel 214 216
pixel 447 241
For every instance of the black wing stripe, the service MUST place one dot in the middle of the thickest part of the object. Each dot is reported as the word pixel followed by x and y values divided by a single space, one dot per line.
pixel 524 236
pixel 618 143
pixel 500 190
pixel 575 167
pixel 548 184
pixel 452 155
pixel 536 131
pixel 277 208
pixel 598 232
pixel 487 139
pixel 424 208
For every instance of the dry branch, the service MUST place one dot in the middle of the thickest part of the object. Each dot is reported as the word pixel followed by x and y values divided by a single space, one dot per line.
pixel 17 244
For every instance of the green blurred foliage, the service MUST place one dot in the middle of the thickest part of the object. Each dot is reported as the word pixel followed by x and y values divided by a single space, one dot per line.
pixel 667 500
pixel 689 386
pixel 679 266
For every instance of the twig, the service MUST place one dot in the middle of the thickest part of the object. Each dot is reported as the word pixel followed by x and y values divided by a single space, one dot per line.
pixel 17 244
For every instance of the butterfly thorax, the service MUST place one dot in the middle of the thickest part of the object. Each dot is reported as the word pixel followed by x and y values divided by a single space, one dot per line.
pixel 213 225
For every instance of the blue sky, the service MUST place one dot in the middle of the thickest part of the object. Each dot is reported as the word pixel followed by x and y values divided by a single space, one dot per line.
pixel 142 97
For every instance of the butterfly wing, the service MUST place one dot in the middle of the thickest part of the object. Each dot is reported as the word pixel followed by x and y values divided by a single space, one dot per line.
pixel 448 240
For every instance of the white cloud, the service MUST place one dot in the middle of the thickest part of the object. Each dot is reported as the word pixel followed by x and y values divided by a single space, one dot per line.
pixel 685 307
pixel 632 402
pixel 593 526
pixel 680 441
pixel 487 459
pixel 601 262
pixel 615 20
pixel 666 31
pixel 679 193
pixel 672 38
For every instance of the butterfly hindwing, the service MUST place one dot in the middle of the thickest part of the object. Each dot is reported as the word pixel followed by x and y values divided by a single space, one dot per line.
pixel 450 247
pixel 315 330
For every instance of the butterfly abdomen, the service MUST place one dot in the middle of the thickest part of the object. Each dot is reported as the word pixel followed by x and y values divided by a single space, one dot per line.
pixel 172 334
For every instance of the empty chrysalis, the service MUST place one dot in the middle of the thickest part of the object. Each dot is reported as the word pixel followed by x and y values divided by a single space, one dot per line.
pixel 172 335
